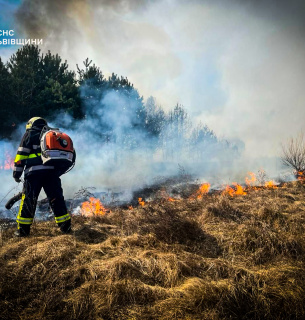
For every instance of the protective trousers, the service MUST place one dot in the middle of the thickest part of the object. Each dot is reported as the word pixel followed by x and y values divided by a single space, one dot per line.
pixel 50 182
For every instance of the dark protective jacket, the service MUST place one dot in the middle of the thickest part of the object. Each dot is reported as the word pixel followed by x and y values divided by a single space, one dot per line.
pixel 28 158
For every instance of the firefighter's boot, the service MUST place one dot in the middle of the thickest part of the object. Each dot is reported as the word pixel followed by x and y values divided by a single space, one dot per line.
pixel 22 231
pixel 65 227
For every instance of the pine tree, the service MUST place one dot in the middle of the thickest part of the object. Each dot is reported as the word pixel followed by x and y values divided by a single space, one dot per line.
pixel 7 103
pixel 43 85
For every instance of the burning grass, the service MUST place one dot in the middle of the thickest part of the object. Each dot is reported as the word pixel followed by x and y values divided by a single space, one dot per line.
pixel 212 257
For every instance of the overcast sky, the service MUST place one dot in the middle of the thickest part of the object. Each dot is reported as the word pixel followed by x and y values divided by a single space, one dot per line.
pixel 237 66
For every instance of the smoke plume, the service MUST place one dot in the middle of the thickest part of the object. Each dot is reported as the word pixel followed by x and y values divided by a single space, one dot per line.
pixel 116 152
pixel 236 65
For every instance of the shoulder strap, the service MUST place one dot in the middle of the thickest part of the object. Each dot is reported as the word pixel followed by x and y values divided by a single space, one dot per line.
pixel 46 129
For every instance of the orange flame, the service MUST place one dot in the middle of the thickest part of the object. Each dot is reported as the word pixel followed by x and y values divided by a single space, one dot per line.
pixel 203 189
pixel 270 184
pixel 252 179
pixel 229 191
pixel 237 190
pixel 141 202
pixel 8 162
pixel 301 175
pixel 165 196
pixel 93 207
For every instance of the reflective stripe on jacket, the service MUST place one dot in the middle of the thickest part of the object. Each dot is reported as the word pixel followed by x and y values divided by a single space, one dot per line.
pixel 28 155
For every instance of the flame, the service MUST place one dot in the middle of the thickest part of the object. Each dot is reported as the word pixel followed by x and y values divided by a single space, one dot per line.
pixel 93 207
pixel 229 191
pixel 8 162
pixel 141 202
pixel 270 184
pixel 203 189
pixel 165 196
pixel 234 191
pixel 130 207
pixel 301 175
pixel 239 189
pixel 252 179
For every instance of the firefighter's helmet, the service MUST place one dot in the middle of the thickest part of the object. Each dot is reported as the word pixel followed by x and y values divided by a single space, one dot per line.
pixel 36 122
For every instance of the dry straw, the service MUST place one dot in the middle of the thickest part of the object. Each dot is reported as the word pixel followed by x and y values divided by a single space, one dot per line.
pixel 219 257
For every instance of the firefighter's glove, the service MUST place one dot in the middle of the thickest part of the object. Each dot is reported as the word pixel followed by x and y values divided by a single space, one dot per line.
pixel 17 180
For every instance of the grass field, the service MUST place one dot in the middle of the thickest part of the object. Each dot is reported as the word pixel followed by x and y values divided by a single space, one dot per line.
pixel 220 257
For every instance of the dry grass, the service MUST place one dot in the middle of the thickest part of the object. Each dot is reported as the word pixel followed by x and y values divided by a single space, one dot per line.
pixel 215 258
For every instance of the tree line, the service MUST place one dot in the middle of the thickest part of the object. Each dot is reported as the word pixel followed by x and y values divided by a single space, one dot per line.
pixel 37 84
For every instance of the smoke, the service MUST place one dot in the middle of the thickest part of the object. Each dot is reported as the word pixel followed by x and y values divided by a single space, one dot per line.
pixel 116 153
pixel 236 65
pixel 115 150
pixel 9 186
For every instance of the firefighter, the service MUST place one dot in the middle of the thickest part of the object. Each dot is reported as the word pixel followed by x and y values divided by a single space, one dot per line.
pixel 37 176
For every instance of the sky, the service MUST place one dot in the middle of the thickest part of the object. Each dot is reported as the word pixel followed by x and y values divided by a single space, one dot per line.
pixel 237 66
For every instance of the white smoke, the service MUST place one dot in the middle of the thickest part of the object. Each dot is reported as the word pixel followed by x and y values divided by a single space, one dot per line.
pixel 8 185
pixel 236 65
pixel 129 159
